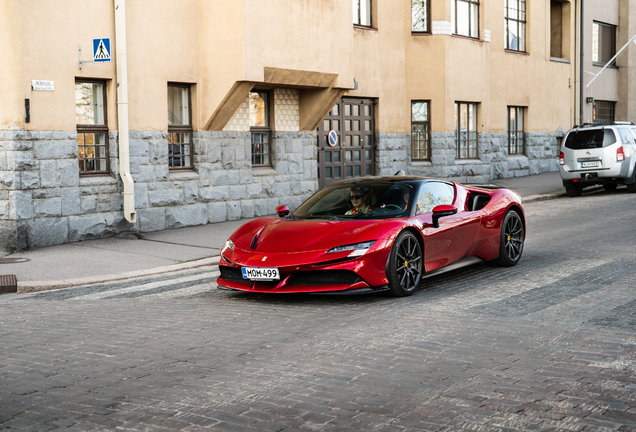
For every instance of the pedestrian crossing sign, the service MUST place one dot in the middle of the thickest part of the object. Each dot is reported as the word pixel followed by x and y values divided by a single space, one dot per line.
pixel 101 50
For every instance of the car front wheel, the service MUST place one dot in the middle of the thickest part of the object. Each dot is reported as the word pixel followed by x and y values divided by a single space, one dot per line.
pixel 404 269
pixel 511 241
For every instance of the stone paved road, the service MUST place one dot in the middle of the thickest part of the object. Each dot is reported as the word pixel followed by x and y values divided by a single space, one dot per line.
pixel 548 345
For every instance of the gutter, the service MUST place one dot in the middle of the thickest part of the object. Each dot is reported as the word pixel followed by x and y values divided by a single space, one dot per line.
pixel 122 111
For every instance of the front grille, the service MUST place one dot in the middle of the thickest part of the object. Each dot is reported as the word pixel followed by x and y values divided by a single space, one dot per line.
pixel 324 277
pixel 231 274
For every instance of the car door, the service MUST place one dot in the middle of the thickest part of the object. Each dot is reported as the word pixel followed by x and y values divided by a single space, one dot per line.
pixel 456 234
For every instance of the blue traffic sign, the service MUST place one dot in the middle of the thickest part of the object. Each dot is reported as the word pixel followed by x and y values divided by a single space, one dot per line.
pixel 333 138
pixel 101 50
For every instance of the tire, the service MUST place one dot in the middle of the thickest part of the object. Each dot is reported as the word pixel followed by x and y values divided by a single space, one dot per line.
pixel 610 186
pixel 573 191
pixel 511 240
pixel 631 188
pixel 404 268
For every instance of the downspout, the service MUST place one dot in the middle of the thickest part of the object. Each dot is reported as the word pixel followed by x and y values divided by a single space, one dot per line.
pixel 581 62
pixel 578 77
pixel 122 111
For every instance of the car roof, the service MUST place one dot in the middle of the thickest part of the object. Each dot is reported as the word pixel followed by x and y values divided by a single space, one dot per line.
pixel 601 125
pixel 390 179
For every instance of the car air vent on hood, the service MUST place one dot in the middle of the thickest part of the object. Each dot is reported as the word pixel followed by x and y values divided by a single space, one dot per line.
pixel 255 240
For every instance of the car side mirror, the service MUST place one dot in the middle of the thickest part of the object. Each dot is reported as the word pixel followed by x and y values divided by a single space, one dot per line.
pixel 282 210
pixel 441 211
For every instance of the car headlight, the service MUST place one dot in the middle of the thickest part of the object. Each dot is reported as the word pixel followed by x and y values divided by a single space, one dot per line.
pixel 228 245
pixel 356 248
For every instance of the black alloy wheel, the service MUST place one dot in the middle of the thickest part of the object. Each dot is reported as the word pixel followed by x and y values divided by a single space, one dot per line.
pixel 406 261
pixel 512 238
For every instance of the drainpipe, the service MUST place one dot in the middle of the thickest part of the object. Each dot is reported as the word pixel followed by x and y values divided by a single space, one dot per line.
pixel 581 33
pixel 122 111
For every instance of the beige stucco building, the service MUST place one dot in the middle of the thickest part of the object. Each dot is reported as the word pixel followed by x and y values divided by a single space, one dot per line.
pixel 191 112
pixel 609 94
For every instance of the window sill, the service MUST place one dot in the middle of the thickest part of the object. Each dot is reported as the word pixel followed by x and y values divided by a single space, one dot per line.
pixel 517 52
pixel 467 161
pixel 467 38
pixel 263 171
pixel 559 60
pixel 97 180
pixel 420 162
pixel 421 34
pixel 517 156
pixel 183 175
pixel 597 64
pixel 360 27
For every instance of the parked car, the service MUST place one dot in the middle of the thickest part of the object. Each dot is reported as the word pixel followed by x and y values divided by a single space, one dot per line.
pixel 374 234
pixel 593 154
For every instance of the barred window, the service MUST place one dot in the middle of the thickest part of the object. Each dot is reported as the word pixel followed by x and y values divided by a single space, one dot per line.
pixel 260 128
pixel 516 135
pixel 92 126
pixel 420 130
pixel 603 111
pixel 419 16
pixel 515 21
pixel 179 127
pixel 465 130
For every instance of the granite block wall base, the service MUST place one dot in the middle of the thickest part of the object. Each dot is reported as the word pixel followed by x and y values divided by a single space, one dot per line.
pixel 44 201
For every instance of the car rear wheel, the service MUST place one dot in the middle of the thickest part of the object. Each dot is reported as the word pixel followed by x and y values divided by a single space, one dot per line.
pixel 610 186
pixel 404 269
pixel 511 241
pixel 573 191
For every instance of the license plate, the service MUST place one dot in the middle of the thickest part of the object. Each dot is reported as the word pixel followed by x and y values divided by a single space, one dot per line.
pixel 260 273
pixel 591 164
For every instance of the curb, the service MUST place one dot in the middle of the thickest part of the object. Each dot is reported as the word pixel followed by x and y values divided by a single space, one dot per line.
pixel 542 197
pixel 36 286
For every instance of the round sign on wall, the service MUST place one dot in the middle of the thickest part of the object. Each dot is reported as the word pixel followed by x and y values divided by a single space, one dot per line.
pixel 333 138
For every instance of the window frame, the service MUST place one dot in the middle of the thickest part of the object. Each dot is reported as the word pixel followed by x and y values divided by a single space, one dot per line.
pixel 428 18
pixel 262 131
pixel 427 138
pixel 185 129
pixel 520 135
pixel 458 140
pixel 519 23
pixel 456 21
pixel 598 44
pixel 88 128
pixel 359 14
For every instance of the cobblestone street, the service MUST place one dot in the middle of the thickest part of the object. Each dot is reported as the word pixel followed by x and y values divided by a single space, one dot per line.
pixel 548 345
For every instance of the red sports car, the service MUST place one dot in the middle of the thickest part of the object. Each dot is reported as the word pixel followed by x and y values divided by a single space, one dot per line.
pixel 374 234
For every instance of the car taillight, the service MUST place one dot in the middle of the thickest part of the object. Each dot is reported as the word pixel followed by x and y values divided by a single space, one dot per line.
pixel 620 154
pixel 562 158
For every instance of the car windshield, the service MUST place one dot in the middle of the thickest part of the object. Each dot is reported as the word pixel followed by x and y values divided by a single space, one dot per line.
pixel 359 199
pixel 586 139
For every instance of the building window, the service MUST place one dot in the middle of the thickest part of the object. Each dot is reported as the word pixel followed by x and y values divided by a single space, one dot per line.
pixel 92 127
pixel 560 29
pixel 419 16
pixel 603 43
pixel 465 15
pixel 603 111
pixel 516 135
pixel 362 12
pixel 465 130
pixel 420 130
pixel 515 17
pixel 179 127
pixel 260 128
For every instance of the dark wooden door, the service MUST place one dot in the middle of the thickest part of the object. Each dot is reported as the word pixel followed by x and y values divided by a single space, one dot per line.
pixel 346 141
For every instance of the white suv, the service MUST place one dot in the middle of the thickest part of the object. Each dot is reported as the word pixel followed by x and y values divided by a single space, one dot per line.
pixel 594 154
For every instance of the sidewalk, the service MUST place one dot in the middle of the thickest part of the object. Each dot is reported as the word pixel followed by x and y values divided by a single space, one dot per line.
pixel 126 256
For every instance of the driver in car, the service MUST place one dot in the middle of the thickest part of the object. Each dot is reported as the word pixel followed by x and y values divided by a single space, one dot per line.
pixel 361 200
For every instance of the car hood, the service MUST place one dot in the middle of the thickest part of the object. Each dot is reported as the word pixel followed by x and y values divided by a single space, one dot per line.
pixel 283 235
